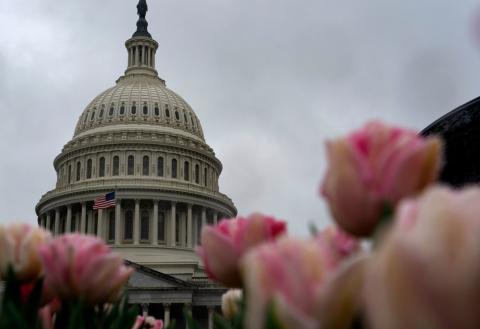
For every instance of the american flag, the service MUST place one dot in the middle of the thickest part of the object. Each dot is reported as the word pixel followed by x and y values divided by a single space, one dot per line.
pixel 105 201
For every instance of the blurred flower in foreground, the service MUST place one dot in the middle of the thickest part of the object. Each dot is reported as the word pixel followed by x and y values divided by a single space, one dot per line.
pixel 231 302
pixel 148 322
pixel 375 167
pixel 80 267
pixel 289 275
pixel 338 244
pixel 19 245
pixel 425 274
pixel 223 245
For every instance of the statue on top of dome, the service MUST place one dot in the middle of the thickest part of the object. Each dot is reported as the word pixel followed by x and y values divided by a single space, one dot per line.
pixel 142 24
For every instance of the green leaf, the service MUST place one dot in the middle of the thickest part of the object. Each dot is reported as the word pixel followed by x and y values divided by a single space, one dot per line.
pixel 219 322
pixel 191 323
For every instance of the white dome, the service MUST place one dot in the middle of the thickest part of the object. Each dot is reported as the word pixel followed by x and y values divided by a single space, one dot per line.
pixel 139 100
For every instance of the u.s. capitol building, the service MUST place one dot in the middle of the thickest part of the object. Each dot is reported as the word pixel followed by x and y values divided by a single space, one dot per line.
pixel 143 142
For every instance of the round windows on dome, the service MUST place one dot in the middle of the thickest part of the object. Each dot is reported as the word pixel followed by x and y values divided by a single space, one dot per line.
pixel 134 109
pixel 122 109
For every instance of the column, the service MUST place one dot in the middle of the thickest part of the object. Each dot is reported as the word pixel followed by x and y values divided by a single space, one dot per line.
pixel 68 227
pixel 189 227
pixel 182 229
pixel 215 218
pixel 48 221
pixel 173 224
pixel 83 219
pixel 57 221
pixel 137 55
pixel 145 310
pixel 118 227
pixel 210 317
pixel 136 223
pixel 166 315
pixel 155 223
pixel 204 217
pixel 100 223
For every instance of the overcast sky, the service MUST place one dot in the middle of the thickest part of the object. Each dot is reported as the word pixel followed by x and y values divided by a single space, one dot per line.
pixel 270 80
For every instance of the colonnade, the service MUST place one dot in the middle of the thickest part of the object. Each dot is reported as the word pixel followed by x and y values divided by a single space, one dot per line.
pixel 168 317
pixel 134 221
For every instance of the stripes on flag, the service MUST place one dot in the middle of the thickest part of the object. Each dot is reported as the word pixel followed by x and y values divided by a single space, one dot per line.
pixel 105 201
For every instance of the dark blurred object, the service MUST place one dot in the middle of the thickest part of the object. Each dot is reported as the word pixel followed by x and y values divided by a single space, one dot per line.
pixel 460 131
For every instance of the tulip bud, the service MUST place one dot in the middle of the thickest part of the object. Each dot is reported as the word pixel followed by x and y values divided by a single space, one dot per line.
pixel 376 167
pixel 230 302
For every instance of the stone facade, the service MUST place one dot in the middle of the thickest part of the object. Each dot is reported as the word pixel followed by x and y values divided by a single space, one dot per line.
pixel 144 142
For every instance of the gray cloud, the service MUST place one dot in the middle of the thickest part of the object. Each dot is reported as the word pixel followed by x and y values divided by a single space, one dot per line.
pixel 269 79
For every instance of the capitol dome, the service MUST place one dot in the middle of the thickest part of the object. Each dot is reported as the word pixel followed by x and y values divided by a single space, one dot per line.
pixel 142 145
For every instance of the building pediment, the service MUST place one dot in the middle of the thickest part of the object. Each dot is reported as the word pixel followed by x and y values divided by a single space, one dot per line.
pixel 147 278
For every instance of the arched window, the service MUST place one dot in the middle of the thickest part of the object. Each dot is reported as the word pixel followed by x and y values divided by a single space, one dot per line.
pixel 128 228
pixel 101 113
pixel 167 111
pixel 131 165
pixel 161 226
pixel 145 226
pixel 186 170
pixel 185 118
pixel 177 115
pixel 145 110
pixel 122 109
pixel 112 109
pixel 69 174
pixel 160 167
pixel 89 168
pixel 101 167
pixel 116 166
pixel 157 111
pixel 205 176
pixel 191 120
pixel 134 109
pixel 146 165
pixel 79 168
pixel 174 168
pixel 197 174
pixel 111 226
pixel 92 115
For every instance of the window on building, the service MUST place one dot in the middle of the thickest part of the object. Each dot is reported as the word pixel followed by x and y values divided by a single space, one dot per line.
pixel 186 170
pixel 89 168
pixel 79 168
pixel 185 118
pixel 134 109
pixel 101 167
pixel 205 181
pixel 69 174
pixel 174 168
pixel 122 109
pixel 157 111
pixel 116 166
pixel 145 226
pixel 146 165
pixel 92 115
pixel 112 109
pixel 145 110
pixel 197 174
pixel 101 113
pixel 160 166
pixel 128 229
pixel 131 165
pixel 161 226
pixel 111 226
pixel 167 111
pixel 177 115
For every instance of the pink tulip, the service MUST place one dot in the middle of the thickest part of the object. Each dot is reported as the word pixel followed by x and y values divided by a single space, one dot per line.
pixel 338 244
pixel 223 245
pixel 230 303
pixel 426 271
pixel 289 275
pixel 19 245
pixel 83 267
pixel 148 322
pixel 373 167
